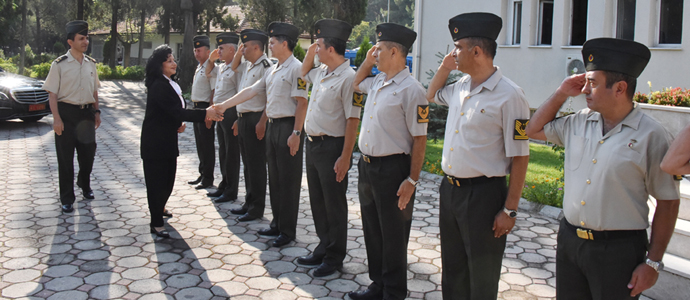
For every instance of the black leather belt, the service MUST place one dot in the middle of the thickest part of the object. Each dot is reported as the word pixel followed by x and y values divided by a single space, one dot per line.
pixel 81 106
pixel 313 138
pixel 272 120
pixel 373 159
pixel 469 181
pixel 588 234
pixel 246 114
pixel 201 104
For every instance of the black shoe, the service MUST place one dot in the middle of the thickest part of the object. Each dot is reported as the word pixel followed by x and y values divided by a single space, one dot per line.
pixel 281 241
pixel 365 295
pixel 86 191
pixel 195 181
pixel 167 214
pixel 223 199
pixel 217 193
pixel 67 208
pixel 325 269
pixel 238 211
pixel 269 232
pixel 310 260
pixel 163 233
pixel 246 218
pixel 203 186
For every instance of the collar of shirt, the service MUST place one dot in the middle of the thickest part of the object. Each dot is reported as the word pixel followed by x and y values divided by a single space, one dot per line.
pixel 632 120
pixel 285 64
pixel 398 78
pixel 339 70
pixel 258 61
pixel 489 84
pixel 201 66
pixel 71 58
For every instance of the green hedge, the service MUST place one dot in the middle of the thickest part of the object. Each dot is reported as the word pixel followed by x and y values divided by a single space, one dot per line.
pixel 129 73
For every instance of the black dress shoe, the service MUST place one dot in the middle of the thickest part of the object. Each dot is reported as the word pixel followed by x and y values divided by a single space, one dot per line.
pixel 67 208
pixel 167 214
pixel 223 199
pixel 365 295
pixel 238 211
pixel 310 260
pixel 195 181
pixel 325 269
pixel 246 218
pixel 270 231
pixel 281 241
pixel 163 233
pixel 217 193
pixel 203 186
pixel 88 194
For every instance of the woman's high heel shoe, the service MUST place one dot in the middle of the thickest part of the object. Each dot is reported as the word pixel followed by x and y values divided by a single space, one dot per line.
pixel 167 214
pixel 163 233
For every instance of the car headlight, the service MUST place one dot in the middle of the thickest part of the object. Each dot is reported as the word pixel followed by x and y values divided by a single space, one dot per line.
pixel 4 97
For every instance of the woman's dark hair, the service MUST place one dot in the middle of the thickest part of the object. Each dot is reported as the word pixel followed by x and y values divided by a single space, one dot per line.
pixel 154 67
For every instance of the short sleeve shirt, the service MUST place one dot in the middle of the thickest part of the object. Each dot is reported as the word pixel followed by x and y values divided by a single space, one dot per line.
pixel 391 114
pixel 226 83
pixel 608 178
pixel 332 102
pixel 203 86
pixel 73 82
pixel 480 138
pixel 250 74
pixel 282 85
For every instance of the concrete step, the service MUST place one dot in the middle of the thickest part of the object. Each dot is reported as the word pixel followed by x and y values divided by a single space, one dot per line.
pixel 674 280
pixel 680 241
pixel 684 211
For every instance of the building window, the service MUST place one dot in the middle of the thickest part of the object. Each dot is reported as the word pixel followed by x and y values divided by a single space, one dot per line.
pixel 670 21
pixel 545 22
pixel 578 24
pixel 625 19
pixel 516 23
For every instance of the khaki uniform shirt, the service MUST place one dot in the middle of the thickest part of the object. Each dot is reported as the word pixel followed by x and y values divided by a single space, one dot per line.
pixel 394 114
pixel 282 84
pixel 481 137
pixel 73 82
pixel 608 178
pixel 226 83
pixel 333 100
pixel 203 85
pixel 250 74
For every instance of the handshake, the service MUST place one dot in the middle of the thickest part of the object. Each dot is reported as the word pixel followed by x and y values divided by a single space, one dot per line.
pixel 215 113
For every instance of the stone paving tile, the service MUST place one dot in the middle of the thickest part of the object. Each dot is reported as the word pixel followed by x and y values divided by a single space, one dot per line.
pixel 104 250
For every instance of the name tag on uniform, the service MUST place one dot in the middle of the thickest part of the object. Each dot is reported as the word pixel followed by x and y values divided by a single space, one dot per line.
pixel 357 99
pixel 301 84
pixel 422 113
pixel 519 132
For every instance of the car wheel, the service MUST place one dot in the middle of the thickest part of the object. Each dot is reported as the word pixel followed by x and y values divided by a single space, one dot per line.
pixel 31 119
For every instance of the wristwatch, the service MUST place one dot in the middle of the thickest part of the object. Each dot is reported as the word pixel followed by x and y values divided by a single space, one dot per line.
pixel 97 111
pixel 297 132
pixel 656 265
pixel 511 213
pixel 412 181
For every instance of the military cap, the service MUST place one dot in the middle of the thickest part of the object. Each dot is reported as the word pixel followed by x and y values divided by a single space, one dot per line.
pixel 77 26
pixel 227 38
pixel 616 55
pixel 201 40
pixel 396 33
pixel 253 35
pixel 280 28
pixel 477 24
pixel 330 28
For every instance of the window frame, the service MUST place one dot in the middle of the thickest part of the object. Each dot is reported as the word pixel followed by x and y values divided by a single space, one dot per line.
pixel 657 31
pixel 540 23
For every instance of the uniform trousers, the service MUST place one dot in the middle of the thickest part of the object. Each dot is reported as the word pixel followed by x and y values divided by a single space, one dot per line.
pixel 79 133
pixel 284 175
pixel 159 175
pixel 386 227
pixel 205 147
pixel 597 269
pixel 228 154
pixel 470 254
pixel 254 159
pixel 327 197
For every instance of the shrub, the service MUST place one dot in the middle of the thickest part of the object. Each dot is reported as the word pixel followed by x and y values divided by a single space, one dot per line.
pixel 362 52
pixel 129 73
pixel 40 70
pixel 59 48
pixel 667 96
pixel 547 191
pixel 299 52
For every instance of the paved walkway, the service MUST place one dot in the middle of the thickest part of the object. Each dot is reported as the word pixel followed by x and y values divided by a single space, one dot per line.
pixel 104 249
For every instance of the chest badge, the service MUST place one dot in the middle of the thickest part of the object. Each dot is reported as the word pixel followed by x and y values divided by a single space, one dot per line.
pixel 519 132
pixel 422 113
pixel 301 84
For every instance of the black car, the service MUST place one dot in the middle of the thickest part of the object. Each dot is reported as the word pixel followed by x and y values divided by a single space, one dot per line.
pixel 22 98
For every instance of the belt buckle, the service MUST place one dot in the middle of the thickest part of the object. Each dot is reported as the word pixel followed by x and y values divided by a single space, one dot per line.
pixel 366 158
pixel 309 137
pixel 453 182
pixel 585 234
pixel 270 120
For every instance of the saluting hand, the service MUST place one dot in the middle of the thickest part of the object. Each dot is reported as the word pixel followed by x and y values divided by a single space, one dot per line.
pixel 449 61
pixel 370 55
pixel 405 192
pixel 58 126
pixel 312 48
pixel 214 55
pixel 572 86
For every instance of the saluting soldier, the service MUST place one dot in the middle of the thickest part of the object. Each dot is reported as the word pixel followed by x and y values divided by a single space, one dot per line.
pixel 484 142
pixel 612 156
pixel 72 86
pixel 202 97
pixel 286 107
pixel 251 123
pixel 228 146
pixel 331 128
pixel 392 141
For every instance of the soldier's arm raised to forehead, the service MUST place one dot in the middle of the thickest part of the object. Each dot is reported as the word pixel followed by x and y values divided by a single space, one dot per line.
pixel 237 60
pixel 571 87
pixel 308 62
pixel 365 69
pixel 440 77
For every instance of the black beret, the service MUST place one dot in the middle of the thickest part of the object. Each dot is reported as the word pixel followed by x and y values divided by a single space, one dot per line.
pixel 227 38
pixel 78 26
pixel 477 24
pixel 616 55
pixel 396 33
pixel 330 28
pixel 201 40
pixel 253 35
pixel 279 28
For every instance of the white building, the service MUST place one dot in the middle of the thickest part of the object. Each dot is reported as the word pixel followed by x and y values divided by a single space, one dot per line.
pixel 539 38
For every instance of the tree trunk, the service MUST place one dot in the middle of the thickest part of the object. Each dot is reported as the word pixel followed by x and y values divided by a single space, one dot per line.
pixel 80 9
pixel 22 51
pixel 38 43
pixel 127 53
pixel 187 62
pixel 166 26
pixel 141 37
pixel 114 35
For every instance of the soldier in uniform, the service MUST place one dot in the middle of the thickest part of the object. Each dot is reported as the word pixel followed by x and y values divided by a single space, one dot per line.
pixel 286 107
pixel 228 146
pixel 392 141
pixel 202 97
pixel 484 142
pixel 331 128
pixel 612 157
pixel 72 86
pixel 251 123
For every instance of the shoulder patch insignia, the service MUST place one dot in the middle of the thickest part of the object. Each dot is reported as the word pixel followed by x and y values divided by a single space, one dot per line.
pixel 90 58
pixel 357 99
pixel 422 113
pixel 265 63
pixel 61 59
pixel 301 84
pixel 519 132
pixel 677 177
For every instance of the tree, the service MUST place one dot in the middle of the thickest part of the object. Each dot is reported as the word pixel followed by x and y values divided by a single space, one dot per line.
pixel 9 14
pixel 262 12
pixel 351 11
pixel 361 31
pixel 115 5
pixel 401 11
pixel 187 62
pixel 22 50
pixel 362 52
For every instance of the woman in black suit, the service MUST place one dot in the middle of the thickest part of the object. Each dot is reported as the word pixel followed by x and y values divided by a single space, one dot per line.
pixel 165 113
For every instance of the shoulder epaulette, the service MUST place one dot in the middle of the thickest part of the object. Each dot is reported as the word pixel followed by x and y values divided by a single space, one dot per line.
pixel 91 58
pixel 265 63
pixel 61 58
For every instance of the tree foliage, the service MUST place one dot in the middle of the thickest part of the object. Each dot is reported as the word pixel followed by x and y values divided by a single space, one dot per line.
pixel 362 52
pixel 401 12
